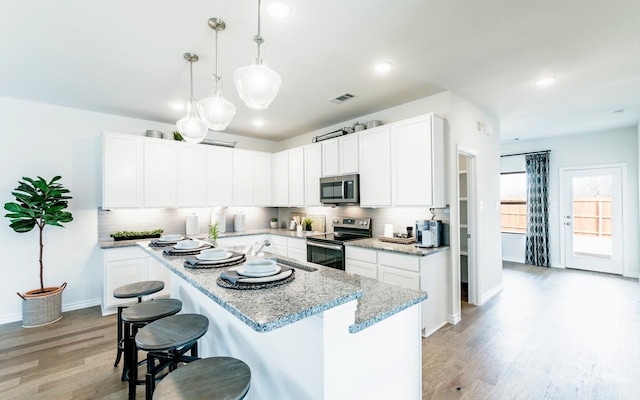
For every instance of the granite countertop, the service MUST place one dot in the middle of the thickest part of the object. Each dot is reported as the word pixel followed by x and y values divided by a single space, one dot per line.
pixel 308 294
pixel 410 249
pixel 109 244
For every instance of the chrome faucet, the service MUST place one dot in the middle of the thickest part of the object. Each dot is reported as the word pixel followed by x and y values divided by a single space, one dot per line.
pixel 259 248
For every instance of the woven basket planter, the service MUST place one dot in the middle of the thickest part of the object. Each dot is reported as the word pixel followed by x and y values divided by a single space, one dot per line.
pixel 42 308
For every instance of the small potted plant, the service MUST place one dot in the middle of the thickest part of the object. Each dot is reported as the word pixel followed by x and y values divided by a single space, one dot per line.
pixel 357 126
pixel 135 235
pixel 39 203
pixel 274 223
pixel 214 233
pixel 307 222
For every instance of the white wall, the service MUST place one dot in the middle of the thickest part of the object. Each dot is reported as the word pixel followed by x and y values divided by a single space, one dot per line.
pixel 45 140
pixel 618 146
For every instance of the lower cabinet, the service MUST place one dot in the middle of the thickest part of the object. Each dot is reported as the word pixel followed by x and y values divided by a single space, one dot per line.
pixel 426 273
pixel 128 265
pixel 289 247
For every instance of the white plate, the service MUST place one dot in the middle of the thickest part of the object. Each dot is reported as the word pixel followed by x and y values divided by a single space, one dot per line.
pixel 224 257
pixel 187 245
pixel 240 270
pixel 170 238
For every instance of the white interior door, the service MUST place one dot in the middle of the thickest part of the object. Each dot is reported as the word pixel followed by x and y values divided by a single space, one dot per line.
pixel 592 219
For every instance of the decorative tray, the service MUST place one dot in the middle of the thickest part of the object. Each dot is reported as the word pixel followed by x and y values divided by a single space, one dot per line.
pixel 397 240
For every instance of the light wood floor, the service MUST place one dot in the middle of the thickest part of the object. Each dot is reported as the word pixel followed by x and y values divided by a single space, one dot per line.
pixel 550 334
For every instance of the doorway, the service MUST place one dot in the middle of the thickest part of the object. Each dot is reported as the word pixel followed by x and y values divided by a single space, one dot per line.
pixel 467 226
pixel 592 218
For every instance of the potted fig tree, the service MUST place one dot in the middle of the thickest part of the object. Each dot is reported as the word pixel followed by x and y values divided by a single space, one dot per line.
pixel 39 203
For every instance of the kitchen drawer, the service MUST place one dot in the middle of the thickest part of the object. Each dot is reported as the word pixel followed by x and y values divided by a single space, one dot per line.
pixel 399 277
pixel 299 244
pixel 362 268
pixel 410 263
pixel 279 240
pixel 297 254
pixel 124 253
pixel 357 253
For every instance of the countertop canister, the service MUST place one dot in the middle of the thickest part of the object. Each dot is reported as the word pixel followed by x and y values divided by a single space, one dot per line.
pixel 192 225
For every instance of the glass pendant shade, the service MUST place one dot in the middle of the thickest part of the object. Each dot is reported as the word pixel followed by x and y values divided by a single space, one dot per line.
pixel 216 111
pixel 191 127
pixel 257 85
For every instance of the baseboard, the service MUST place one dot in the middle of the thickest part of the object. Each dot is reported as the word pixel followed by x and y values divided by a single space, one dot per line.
pixel 633 274
pixel 513 259
pixel 485 297
pixel 5 319
pixel 453 318
pixel 427 334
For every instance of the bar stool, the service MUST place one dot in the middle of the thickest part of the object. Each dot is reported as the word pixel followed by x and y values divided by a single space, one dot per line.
pixel 214 378
pixel 134 318
pixel 167 341
pixel 132 290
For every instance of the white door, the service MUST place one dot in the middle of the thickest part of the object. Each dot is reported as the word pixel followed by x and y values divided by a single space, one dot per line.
pixel 592 219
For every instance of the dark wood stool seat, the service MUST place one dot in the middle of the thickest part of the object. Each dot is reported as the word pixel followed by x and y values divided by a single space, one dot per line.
pixel 134 318
pixel 167 341
pixel 214 378
pixel 130 291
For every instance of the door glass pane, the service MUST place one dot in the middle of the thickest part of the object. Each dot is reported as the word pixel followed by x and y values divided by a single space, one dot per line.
pixel 592 216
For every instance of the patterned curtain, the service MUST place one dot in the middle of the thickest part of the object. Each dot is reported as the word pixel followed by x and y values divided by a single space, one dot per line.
pixel 537 251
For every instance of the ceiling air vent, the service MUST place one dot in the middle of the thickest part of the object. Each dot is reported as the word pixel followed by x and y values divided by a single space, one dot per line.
pixel 342 98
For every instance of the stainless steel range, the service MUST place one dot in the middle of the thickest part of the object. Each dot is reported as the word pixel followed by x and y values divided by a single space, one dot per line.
pixel 328 248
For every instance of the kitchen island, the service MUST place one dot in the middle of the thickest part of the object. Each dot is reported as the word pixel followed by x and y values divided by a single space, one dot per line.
pixel 325 335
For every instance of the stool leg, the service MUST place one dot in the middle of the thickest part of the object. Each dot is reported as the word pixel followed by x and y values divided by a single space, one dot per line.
pixel 132 352
pixel 120 344
pixel 126 345
pixel 150 378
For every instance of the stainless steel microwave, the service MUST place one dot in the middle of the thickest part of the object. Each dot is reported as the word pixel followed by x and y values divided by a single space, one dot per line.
pixel 341 189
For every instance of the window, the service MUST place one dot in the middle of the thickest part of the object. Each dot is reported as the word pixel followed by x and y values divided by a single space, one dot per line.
pixel 513 202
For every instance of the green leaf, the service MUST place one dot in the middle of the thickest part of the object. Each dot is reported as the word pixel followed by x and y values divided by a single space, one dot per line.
pixel 23 225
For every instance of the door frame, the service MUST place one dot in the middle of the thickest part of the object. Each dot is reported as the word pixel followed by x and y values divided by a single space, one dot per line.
pixel 625 210
pixel 472 223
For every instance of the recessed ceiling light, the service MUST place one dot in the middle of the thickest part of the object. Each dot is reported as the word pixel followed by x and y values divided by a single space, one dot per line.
pixel 618 112
pixel 178 106
pixel 546 81
pixel 258 122
pixel 382 66
pixel 279 9
pixel 516 139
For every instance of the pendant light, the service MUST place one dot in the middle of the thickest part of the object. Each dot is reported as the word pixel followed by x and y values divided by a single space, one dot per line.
pixel 191 127
pixel 257 84
pixel 216 111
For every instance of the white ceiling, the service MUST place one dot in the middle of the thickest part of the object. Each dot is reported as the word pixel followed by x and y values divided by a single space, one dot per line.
pixel 125 57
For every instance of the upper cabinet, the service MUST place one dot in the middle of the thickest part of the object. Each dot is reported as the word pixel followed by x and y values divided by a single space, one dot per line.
pixel 340 155
pixel 192 175
pixel 160 173
pixel 219 176
pixel 417 162
pixel 261 179
pixel 296 177
pixel 251 178
pixel 312 173
pixel 375 167
pixel 122 170
pixel 280 179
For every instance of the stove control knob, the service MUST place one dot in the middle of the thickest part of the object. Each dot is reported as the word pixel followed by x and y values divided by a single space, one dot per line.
pixel 335 221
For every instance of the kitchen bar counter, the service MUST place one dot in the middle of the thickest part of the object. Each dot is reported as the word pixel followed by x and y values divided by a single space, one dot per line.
pixel 310 293
pixel 410 249
pixel 325 335
pixel 110 244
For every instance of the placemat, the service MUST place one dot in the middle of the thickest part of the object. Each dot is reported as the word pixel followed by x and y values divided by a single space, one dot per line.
pixel 255 286
pixel 161 244
pixel 194 263
pixel 185 252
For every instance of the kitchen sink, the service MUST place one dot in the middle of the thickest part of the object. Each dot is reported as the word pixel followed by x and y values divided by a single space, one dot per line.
pixel 293 264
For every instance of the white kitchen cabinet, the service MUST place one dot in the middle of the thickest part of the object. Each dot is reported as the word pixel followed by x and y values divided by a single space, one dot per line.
pixel 160 172
pixel 297 249
pixel 122 170
pixel 312 174
pixel 428 273
pixel 340 155
pixel 375 167
pixel 296 177
pixel 280 179
pixel 417 162
pixel 126 265
pixel 219 176
pixel 262 179
pixel 278 245
pixel 192 175
pixel 243 176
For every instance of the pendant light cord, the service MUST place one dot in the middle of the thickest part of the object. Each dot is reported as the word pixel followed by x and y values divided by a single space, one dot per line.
pixel 191 78
pixel 216 76
pixel 258 37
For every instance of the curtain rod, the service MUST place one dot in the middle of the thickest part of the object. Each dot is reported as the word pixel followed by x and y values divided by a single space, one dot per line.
pixel 522 154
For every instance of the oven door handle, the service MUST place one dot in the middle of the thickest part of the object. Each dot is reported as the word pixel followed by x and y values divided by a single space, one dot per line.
pixel 344 190
pixel 325 246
